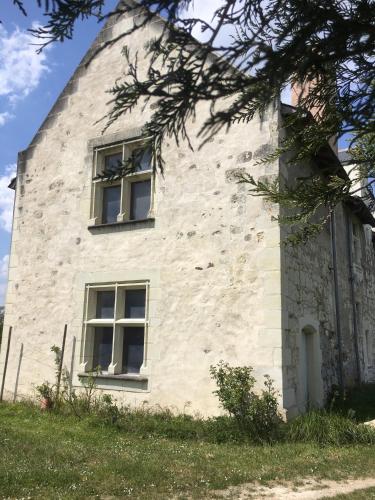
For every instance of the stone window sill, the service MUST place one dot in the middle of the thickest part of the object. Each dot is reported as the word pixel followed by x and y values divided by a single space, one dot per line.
pixel 143 222
pixel 124 376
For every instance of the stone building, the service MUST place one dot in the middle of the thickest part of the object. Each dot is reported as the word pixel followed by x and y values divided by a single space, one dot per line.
pixel 159 277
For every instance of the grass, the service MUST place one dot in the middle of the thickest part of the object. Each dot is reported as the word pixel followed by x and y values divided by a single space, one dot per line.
pixel 47 455
pixel 328 428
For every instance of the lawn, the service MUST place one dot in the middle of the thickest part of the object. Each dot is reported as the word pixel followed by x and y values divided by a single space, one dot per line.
pixel 45 455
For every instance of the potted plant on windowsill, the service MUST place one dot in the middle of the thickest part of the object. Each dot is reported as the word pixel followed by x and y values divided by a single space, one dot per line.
pixel 45 392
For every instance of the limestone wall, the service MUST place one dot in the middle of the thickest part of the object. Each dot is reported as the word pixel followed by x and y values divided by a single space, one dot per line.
pixel 309 301
pixel 212 254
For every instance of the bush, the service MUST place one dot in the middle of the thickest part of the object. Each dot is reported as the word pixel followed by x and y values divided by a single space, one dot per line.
pixel 327 428
pixel 255 413
pixel 357 402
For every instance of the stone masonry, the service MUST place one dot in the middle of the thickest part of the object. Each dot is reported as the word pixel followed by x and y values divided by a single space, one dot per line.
pixel 221 286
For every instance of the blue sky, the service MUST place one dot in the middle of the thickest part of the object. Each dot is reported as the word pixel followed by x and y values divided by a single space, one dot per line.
pixel 29 86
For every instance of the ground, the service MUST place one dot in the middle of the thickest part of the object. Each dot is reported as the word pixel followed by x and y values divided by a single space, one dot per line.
pixel 44 455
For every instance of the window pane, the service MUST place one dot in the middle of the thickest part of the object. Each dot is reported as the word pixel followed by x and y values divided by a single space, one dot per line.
pixel 103 348
pixel 105 304
pixel 132 354
pixel 135 303
pixel 111 204
pixel 140 199
pixel 113 162
pixel 142 159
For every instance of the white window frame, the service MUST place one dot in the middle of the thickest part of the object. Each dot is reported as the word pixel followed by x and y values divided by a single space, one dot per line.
pixel 126 148
pixel 117 323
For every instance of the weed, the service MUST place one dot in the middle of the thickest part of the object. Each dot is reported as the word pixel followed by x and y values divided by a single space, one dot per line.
pixel 327 428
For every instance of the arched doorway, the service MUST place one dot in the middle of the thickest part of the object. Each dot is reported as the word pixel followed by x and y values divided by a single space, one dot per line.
pixel 310 393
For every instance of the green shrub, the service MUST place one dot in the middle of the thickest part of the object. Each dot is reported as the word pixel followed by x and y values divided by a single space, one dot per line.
pixel 357 402
pixel 45 391
pixel 255 413
pixel 327 428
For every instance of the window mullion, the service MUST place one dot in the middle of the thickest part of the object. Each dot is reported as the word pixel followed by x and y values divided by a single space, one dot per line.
pixel 126 187
pixel 122 214
pixel 95 206
pixel 87 349
pixel 151 212
pixel 116 364
pixel 144 366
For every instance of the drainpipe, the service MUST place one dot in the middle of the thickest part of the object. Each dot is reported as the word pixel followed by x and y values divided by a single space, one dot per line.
pixel 349 241
pixel 337 298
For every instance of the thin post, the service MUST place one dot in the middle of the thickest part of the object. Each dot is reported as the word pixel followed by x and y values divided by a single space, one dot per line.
pixel 5 364
pixel 18 374
pixel 72 365
pixel 61 362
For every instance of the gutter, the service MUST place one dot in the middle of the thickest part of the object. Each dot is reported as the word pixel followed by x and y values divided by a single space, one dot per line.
pixel 349 242
pixel 337 301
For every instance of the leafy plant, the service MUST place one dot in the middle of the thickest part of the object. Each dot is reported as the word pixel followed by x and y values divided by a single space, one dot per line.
pixel 255 412
pixel 46 391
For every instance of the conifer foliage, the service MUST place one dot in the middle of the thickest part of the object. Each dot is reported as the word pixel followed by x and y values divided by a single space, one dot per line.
pixel 252 51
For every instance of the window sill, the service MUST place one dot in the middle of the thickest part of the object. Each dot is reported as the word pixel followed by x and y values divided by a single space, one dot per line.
pixel 149 222
pixel 124 376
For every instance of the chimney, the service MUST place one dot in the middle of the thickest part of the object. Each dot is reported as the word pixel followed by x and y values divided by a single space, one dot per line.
pixel 299 91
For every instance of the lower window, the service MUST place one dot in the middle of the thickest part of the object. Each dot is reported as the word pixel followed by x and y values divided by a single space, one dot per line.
pixel 115 328
pixel 103 344
pixel 132 350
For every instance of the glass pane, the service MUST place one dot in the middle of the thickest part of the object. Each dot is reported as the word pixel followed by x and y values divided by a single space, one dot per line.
pixel 105 304
pixel 132 354
pixel 142 159
pixel 102 348
pixel 135 303
pixel 111 204
pixel 140 199
pixel 113 162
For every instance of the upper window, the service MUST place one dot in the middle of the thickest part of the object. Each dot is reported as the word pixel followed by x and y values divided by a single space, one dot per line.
pixel 115 328
pixel 117 197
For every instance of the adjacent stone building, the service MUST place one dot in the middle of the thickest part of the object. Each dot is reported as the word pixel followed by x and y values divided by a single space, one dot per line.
pixel 157 277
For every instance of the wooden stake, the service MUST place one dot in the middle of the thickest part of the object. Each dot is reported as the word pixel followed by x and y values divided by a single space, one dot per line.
pixel 18 374
pixel 72 365
pixel 5 364
pixel 61 362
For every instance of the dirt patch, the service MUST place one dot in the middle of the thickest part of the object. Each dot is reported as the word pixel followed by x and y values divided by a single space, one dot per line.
pixel 306 490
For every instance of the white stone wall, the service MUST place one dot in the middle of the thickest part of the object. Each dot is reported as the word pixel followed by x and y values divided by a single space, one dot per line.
pixel 212 255
pixel 308 299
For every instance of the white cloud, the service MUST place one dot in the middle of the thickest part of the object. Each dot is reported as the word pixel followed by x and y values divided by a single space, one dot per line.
pixel 6 198
pixel 3 288
pixel 21 68
pixel 4 263
pixel 5 117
